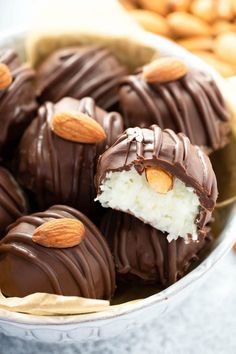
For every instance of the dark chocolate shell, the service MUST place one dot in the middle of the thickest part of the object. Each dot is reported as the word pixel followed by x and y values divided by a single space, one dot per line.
pixel 61 171
pixel 85 270
pixel 192 105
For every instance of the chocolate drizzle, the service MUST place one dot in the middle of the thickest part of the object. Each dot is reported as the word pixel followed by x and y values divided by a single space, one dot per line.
pixel 79 72
pixel 12 201
pixel 143 255
pixel 172 152
pixel 85 270
pixel 17 102
pixel 192 105
pixel 60 171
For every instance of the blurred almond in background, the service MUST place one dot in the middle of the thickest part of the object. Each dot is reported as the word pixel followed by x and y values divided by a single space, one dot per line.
pixel 205 27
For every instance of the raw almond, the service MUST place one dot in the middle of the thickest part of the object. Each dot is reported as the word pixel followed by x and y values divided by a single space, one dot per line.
pixel 128 4
pixel 234 247
pixel 233 2
pixel 225 47
pixel 183 24
pixel 204 9
pixel 5 76
pixel 223 26
pixel 225 69
pixel 59 233
pixel 225 9
pixel 197 43
pixel 158 6
pixel 151 21
pixel 164 70
pixel 159 180
pixel 178 5
pixel 78 127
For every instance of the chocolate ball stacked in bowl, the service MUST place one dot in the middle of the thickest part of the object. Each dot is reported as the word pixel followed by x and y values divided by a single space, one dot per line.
pixel 12 200
pixel 168 93
pixel 59 251
pixel 160 186
pixel 79 72
pixel 17 100
pixel 163 180
pixel 58 152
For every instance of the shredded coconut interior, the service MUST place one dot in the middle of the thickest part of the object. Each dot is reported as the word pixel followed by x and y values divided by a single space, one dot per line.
pixel 174 212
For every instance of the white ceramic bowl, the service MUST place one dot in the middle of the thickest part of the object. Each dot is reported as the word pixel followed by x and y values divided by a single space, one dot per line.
pixel 114 321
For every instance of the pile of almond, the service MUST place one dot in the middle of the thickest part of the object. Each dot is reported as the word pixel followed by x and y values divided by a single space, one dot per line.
pixel 205 27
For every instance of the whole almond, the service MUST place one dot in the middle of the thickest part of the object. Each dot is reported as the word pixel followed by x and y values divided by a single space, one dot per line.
pixel 164 70
pixel 178 5
pixel 225 9
pixel 158 6
pixel 197 43
pixel 233 2
pixel 225 47
pixel 234 247
pixel 205 10
pixel 78 127
pixel 183 24
pixel 225 69
pixel 151 21
pixel 59 233
pixel 5 76
pixel 159 180
pixel 128 4
pixel 223 26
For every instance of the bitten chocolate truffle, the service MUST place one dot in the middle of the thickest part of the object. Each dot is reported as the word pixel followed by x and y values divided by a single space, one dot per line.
pixel 161 178
pixel 12 200
pixel 143 254
pixel 58 251
pixel 59 170
pixel 17 100
pixel 79 72
pixel 190 103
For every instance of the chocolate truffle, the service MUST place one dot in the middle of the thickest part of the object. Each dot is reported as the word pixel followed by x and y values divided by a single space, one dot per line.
pixel 161 178
pixel 27 266
pixel 79 72
pixel 191 104
pixel 12 200
pixel 58 170
pixel 17 100
pixel 143 254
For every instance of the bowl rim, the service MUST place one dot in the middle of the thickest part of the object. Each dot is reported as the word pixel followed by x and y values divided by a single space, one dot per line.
pixel 225 239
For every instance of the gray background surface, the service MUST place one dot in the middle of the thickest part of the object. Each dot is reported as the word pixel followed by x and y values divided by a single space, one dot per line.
pixel 205 323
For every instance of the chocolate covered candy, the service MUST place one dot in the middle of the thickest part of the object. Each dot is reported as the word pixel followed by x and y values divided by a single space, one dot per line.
pixel 79 72
pixel 17 100
pixel 12 200
pixel 161 178
pixel 143 254
pixel 57 251
pixel 168 94
pixel 60 169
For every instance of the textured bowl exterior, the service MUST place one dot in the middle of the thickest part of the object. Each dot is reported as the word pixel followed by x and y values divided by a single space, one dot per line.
pixel 117 320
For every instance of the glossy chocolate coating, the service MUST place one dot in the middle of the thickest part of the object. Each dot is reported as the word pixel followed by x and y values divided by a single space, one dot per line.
pixel 12 200
pixel 143 254
pixel 79 72
pixel 17 102
pixel 84 270
pixel 171 152
pixel 192 105
pixel 58 170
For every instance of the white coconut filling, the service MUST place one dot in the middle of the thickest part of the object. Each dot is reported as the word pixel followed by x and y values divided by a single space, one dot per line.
pixel 174 212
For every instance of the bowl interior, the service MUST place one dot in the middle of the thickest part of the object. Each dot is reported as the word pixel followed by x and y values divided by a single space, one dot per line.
pixel 223 162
